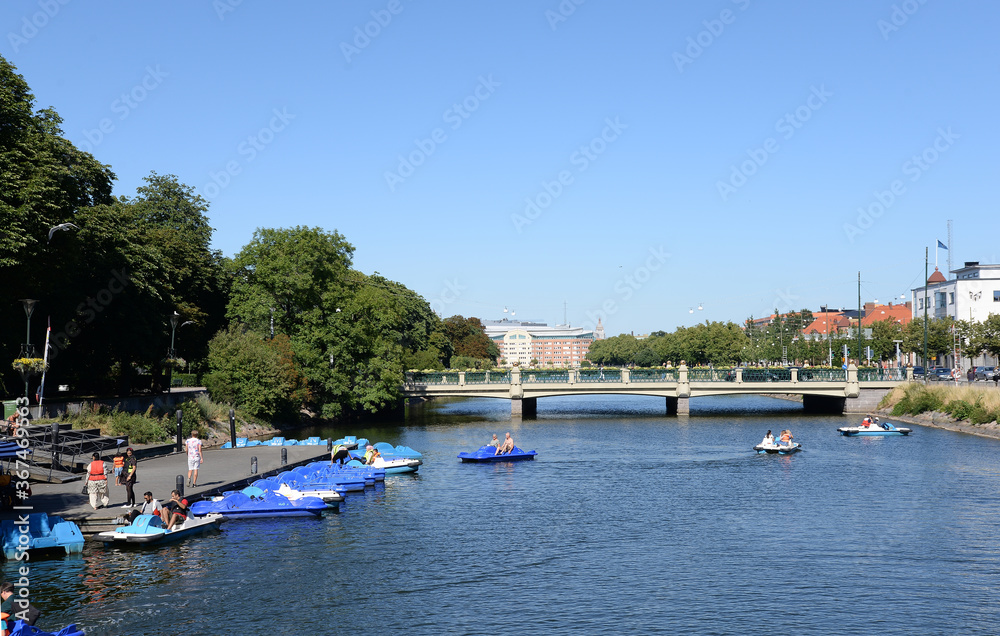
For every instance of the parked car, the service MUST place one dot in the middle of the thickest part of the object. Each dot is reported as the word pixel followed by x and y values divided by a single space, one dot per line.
pixel 940 374
pixel 985 373
pixel 918 373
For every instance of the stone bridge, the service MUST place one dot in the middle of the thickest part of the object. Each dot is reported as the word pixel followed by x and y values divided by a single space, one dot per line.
pixel 849 390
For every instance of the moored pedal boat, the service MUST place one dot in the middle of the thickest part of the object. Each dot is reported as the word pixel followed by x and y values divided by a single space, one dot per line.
pixel 254 502
pixel 41 534
pixel 150 529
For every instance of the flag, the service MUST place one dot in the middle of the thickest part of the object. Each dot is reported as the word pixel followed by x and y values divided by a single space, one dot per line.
pixel 942 245
pixel 40 394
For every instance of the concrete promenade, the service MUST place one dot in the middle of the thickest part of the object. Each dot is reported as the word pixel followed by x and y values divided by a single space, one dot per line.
pixel 223 469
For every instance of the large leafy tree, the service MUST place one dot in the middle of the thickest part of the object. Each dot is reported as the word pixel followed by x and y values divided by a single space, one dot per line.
pixel 350 333
pixel 940 337
pixel 468 338
pixel 255 374
pixel 983 337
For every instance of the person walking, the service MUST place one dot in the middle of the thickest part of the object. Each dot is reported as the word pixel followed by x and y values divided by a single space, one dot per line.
pixel 97 483
pixel 129 477
pixel 195 457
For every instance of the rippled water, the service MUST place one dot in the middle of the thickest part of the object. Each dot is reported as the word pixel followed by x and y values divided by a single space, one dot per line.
pixel 628 522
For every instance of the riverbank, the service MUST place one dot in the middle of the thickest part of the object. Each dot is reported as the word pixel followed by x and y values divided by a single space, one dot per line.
pixel 963 408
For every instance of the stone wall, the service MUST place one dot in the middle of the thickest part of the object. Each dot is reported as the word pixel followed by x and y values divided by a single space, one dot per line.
pixel 135 404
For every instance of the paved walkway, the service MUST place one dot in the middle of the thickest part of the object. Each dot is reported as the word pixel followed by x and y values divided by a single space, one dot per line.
pixel 223 469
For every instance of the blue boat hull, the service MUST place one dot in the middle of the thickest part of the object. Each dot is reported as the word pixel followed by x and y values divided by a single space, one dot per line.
pixel 43 535
pixel 241 505
pixel 486 454
pixel 148 530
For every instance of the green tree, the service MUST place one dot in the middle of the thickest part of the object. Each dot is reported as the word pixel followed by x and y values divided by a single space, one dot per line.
pixel 351 333
pixel 884 332
pixel 468 338
pixel 254 374
pixel 984 337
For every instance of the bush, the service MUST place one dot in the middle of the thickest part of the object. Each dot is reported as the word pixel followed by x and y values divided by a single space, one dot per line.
pixel 139 428
pixel 960 409
pixel 255 374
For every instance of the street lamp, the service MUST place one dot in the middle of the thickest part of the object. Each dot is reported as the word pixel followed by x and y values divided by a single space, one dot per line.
pixel 28 352
pixel 172 354
pixel 176 318
pixel 29 308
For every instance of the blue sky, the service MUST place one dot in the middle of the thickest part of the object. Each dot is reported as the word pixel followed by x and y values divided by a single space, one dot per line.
pixel 628 161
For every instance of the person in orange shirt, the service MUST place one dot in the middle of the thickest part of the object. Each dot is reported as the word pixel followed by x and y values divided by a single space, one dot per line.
pixel 97 483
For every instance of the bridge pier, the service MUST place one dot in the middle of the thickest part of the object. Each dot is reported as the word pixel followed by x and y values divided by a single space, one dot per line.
pixel 678 406
pixel 524 407
pixel 823 404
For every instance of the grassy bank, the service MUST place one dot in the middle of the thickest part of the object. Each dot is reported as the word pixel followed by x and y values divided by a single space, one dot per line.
pixel 974 404
pixel 154 425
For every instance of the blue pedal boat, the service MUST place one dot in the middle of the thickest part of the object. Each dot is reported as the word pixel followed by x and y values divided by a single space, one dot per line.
pixel 486 454
pixel 388 451
pixel 253 502
pixel 874 430
pixel 149 530
pixel 23 629
pixel 42 535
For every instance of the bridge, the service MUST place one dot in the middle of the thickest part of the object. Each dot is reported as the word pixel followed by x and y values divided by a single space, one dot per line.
pixel 849 390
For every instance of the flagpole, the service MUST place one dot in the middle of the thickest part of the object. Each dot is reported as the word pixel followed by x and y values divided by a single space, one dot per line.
pixel 45 363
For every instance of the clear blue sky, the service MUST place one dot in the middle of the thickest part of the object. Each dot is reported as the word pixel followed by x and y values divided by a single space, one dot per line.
pixel 678 154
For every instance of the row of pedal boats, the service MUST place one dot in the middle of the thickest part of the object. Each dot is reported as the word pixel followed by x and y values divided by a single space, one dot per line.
pixel 867 429
pixel 304 491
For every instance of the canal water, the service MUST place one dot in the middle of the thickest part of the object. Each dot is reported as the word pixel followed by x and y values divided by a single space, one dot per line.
pixel 628 522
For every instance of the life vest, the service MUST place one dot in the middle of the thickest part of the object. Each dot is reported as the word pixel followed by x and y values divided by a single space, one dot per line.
pixel 96 471
pixel 786 437
pixel 369 455
pixel 119 461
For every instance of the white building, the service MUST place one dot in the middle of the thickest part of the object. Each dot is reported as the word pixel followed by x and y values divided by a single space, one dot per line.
pixel 520 342
pixel 973 295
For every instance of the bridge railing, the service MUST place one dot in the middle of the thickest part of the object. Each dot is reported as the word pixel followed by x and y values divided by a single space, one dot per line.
pixel 653 375
pixel 894 374
pixel 711 375
pixel 600 375
pixel 533 377
pixel 420 377
pixel 813 374
pixel 487 377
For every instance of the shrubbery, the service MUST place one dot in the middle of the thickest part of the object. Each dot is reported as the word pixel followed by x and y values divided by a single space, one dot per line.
pixel 967 403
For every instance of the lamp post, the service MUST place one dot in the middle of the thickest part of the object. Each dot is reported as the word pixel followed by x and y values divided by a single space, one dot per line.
pixel 29 308
pixel 174 319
